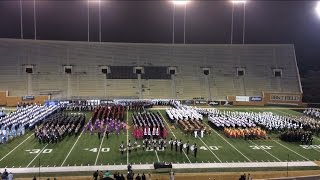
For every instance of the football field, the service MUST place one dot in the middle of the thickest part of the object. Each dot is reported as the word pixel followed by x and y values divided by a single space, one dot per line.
pixel 88 150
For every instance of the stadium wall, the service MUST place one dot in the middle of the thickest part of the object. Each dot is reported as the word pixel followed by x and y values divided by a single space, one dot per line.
pixel 14 100
pixel 3 98
pixel 275 98
pixel 6 100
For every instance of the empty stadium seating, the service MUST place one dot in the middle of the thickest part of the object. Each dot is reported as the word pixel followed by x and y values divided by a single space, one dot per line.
pixel 86 80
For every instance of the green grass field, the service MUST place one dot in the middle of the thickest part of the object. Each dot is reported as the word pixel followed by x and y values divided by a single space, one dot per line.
pixel 86 149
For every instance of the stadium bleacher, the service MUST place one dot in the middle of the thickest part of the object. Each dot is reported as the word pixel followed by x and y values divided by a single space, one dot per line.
pixel 49 58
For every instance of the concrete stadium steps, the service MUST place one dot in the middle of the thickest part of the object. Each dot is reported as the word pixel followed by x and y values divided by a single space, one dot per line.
pixel 222 86
pixel 157 88
pixel 88 85
pixel 189 87
pixel 122 88
pixel 9 81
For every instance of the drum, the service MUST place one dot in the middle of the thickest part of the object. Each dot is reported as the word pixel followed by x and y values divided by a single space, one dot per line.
pixel 170 142
pixel 174 142
pixel 184 145
pixel 192 147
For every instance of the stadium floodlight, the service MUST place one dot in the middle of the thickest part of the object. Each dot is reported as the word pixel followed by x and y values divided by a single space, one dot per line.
pixel 180 2
pixel 238 2
pixel 318 9
pixel 94 1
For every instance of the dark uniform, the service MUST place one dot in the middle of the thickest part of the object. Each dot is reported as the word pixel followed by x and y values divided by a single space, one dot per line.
pixel 195 150
pixel 176 145
pixel 122 148
pixel 188 147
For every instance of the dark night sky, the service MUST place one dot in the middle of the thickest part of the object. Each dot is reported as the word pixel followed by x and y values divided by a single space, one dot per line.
pixel 151 21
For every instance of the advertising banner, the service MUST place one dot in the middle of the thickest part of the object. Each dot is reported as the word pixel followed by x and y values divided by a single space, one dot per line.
pixel 284 97
pixel 27 98
pixel 242 98
pixel 255 98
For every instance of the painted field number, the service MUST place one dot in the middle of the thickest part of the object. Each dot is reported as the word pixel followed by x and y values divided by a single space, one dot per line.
pixel 263 147
pixel 310 146
pixel 212 148
pixel 96 150
pixel 36 151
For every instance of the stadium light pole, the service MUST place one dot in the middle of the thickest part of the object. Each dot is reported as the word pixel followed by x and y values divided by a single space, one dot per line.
pixel 174 11
pixel 21 20
pixel 180 3
pixel 99 4
pixel 34 20
pixel 236 2
pixel 88 20
pixel 231 38
pixel 99 20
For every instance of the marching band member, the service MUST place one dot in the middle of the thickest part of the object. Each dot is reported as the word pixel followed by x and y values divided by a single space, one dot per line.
pixel 153 132
pixel 195 150
pixel 162 144
pixel 121 148
pixel 180 144
pixel 129 146
pixel 157 131
pixel 176 144
pixel 145 133
pixel 150 143
pixel 155 145
pixel 135 145
pixel 145 143
pixel 149 132
pixel 187 147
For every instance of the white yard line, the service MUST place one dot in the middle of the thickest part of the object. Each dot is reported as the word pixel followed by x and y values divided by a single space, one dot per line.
pixel 157 155
pixel 210 149
pixel 127 127
pixel 316 149
pixel 72 149
pixel 104 134
pixel 37 155
pixel 266 151
pixel 232 145
pixel 172 133
pixel 16 147
pixel 292 150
